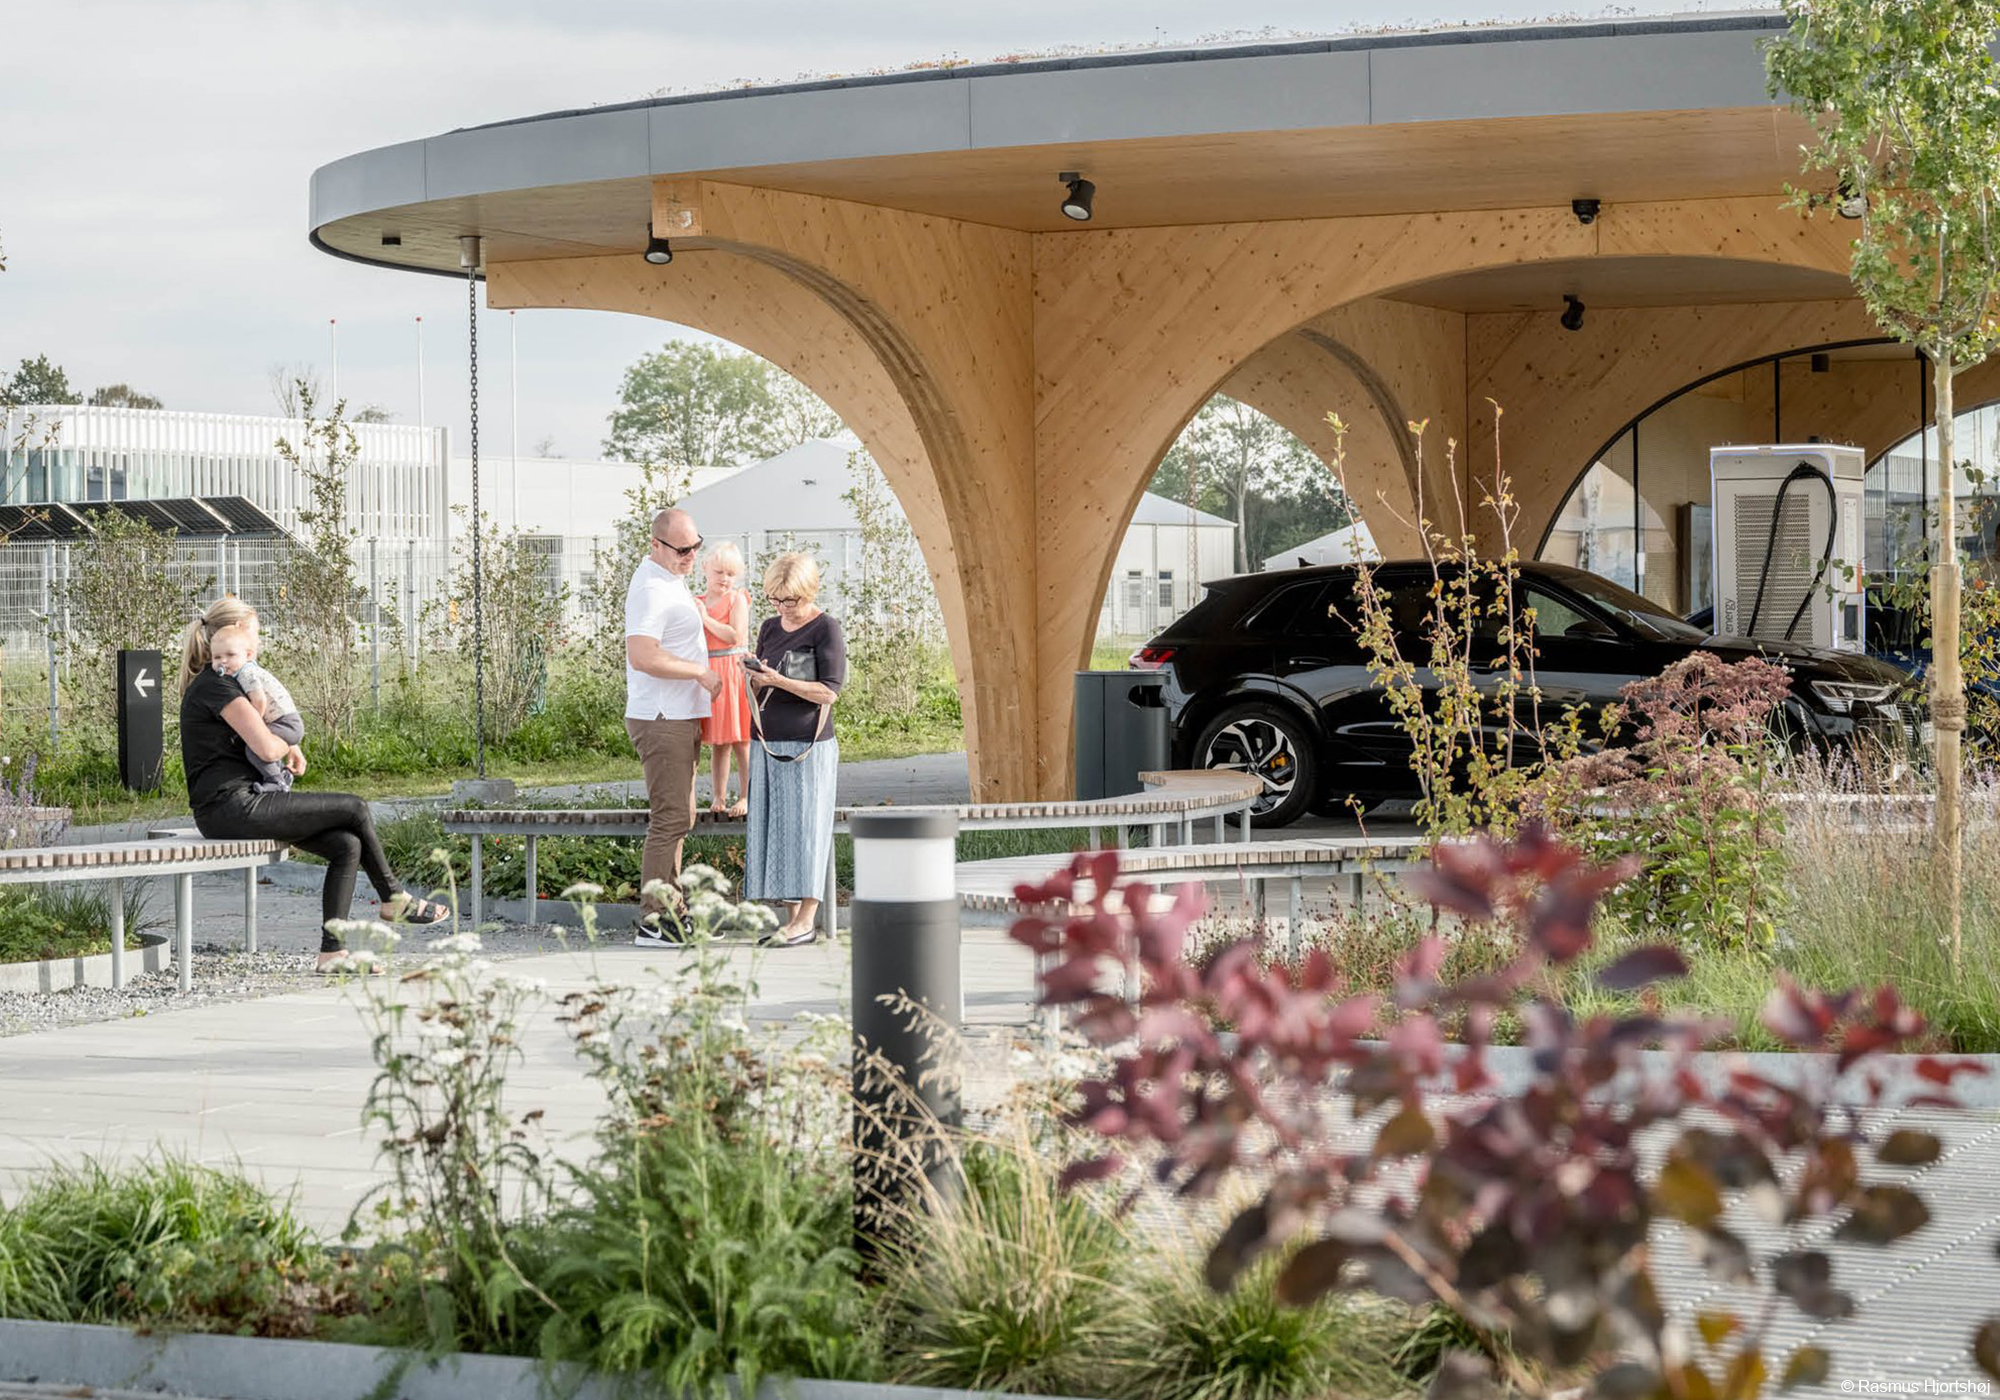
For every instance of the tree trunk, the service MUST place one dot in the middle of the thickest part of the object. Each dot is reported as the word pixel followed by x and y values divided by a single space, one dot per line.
pixel 1947 676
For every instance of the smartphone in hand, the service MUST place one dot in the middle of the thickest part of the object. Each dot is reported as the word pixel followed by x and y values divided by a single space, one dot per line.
pixel 751 663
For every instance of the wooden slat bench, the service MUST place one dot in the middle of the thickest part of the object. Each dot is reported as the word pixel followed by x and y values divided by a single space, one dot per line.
pixel 175 856
pixel 1170 803
pixel 987 886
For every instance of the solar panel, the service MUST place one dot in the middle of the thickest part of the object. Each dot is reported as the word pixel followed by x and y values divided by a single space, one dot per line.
pixel 188 517
pixel 243 515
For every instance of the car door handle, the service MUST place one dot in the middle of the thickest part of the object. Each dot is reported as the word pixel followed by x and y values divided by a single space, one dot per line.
pixel 1312 661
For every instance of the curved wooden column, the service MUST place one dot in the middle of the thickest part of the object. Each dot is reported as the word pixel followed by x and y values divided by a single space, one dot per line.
pixel 1135 328
pixel 1381 365
pixel 915 330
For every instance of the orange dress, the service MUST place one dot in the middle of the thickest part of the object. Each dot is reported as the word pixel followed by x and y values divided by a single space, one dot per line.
pixel 728 719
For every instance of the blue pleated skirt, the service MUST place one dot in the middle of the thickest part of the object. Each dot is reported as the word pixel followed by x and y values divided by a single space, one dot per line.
pixel 791 821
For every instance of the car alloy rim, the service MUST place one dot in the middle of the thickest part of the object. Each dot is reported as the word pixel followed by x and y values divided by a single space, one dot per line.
pixel 1260 748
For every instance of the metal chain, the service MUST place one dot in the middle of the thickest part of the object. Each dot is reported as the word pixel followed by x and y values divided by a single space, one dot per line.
pixel 478 577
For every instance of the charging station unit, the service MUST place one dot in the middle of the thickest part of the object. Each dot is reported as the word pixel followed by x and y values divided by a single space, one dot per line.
pixel 1788 543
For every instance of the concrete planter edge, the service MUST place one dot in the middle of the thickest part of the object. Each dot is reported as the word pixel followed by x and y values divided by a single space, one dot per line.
pixel 219 1367
pixel 63 974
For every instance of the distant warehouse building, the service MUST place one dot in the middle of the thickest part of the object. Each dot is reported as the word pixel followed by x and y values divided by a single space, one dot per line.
pixel 220 483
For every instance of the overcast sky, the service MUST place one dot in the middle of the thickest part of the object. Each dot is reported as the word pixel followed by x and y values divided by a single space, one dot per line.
pixel 154 160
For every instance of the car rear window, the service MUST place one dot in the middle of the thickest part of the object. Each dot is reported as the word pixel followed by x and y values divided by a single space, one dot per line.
pixel 1299 607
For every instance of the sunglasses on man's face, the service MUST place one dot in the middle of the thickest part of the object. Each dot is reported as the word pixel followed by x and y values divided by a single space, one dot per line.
pixel 682 550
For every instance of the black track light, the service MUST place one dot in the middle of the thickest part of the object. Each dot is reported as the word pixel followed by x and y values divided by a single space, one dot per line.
pixel 1822 363
pixel 1851 203
pixel 1572 317
pixel 1076 204
pixel 657 251
pixel 1586 210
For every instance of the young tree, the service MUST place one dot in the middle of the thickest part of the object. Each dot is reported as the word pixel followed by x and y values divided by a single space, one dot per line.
pixel 38 381
pixel 290 384
pixel 892 619
pixel 1902 98
pixel 122 396
pixel 525 602
pixel 1234 460
pixel 126 586
pixel 316 622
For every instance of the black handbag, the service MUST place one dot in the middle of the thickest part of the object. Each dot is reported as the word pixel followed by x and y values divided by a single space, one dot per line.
pixel 801 664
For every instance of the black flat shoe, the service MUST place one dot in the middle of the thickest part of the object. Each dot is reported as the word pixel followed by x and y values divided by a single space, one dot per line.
pixel 408 909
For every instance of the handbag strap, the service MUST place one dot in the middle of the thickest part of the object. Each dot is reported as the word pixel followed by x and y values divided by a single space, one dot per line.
pixel 757 730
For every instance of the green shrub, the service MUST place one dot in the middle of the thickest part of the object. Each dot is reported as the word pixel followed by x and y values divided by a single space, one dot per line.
pixel 1198 1344
pixel 1021 1287
pixel 162 1243
pixel 64 921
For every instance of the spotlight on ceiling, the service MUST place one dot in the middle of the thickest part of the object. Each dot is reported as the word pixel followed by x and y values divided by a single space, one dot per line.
pixel 1822 363
pixel 1076 204
pixel 1585 210
pixel 392 240
pixel 1851 203
pixel 1572 317
pixel 657 252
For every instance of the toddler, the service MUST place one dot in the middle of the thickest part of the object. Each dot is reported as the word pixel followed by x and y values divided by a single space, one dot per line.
pixel 233 651
pixel 726 731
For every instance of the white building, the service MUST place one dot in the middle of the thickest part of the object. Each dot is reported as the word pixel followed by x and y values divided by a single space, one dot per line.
pixel 797 500
pixel 1343 546
pixel 78 454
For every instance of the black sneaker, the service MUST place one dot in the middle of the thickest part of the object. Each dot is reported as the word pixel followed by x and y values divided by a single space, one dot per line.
pixel 660 929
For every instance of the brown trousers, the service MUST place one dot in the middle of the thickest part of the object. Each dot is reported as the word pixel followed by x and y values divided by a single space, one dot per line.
pixel 668 751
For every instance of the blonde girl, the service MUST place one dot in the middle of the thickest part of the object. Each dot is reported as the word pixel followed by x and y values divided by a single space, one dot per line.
pixel 220 731
pixel 726 616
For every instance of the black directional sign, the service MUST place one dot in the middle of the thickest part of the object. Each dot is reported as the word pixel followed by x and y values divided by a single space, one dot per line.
pixel 140 705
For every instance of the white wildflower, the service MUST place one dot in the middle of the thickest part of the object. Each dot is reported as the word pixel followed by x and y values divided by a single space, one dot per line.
pixel 755 918
pixel 357 960
pixel 448 1058
pixel 656 892
pixel 456 943
pixel 704 879
pixel 512 982
pixel 582 890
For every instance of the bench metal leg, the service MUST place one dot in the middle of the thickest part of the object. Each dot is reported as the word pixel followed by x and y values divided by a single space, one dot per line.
pixel 1187 831
pixel 250 910
pixel 1244 827
pixel 1218 828
pixel 1096 838
pixel 117 934
pixel 1262 903
pixel 1356 887
pixel 530 890
pixel 184 931
pixel 478 883
pixel 1296 906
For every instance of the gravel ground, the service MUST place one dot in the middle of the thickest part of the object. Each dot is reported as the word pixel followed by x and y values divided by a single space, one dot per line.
pixel 288 934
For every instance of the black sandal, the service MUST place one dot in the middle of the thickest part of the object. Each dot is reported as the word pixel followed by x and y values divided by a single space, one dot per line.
pixel 412 910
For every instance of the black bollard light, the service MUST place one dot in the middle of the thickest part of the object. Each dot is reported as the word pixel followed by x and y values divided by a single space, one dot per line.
pixel 907 995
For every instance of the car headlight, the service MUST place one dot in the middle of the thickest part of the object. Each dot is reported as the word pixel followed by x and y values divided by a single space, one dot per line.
pixel 1841 696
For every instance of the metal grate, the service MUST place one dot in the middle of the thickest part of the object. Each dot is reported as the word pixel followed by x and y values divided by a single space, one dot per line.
pixel 1791 570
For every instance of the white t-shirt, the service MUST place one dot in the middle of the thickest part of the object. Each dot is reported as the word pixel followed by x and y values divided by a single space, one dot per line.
pixel 658 605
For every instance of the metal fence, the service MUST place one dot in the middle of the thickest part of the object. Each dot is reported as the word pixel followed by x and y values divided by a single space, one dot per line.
pixel 405 582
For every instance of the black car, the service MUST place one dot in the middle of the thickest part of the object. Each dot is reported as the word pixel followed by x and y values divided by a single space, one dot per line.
pixel 1267 674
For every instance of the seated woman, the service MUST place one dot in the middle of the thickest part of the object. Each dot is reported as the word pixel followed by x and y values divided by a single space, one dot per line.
pixel 220 731
pixel 797 670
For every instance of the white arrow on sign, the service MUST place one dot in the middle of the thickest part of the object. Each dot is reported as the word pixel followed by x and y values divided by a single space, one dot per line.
pixel 143 682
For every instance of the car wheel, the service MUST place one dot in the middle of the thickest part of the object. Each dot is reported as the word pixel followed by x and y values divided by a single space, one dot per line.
pixel 1271 745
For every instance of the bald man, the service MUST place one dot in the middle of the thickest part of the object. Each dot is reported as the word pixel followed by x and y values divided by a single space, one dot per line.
pixel 668 686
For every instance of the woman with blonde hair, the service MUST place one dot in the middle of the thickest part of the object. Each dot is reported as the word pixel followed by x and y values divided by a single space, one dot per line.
pixel 797 670
pixel 220 731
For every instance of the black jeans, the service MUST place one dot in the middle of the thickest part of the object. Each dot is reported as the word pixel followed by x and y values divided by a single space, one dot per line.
pixel 334 825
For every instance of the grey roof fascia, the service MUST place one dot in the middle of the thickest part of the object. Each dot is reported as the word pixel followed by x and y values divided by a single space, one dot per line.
pixel 1625 65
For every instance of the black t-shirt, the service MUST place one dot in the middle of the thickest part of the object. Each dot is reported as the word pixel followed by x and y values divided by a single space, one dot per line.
pixel 211 752
pixel 786 716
